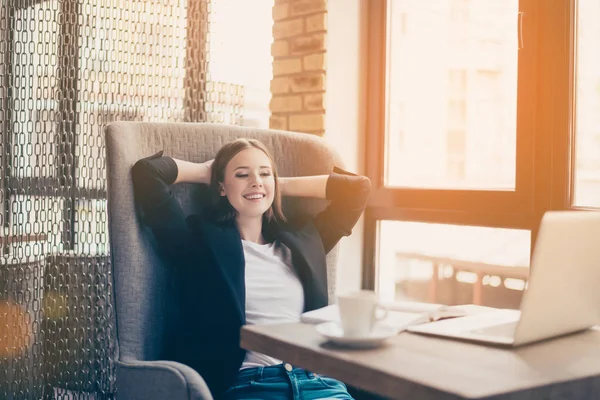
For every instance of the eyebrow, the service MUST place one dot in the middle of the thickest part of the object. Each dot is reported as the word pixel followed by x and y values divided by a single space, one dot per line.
pixel 245 167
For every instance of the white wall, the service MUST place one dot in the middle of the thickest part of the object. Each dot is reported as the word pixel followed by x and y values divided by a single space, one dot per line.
pixel 242 56
pixel 345 106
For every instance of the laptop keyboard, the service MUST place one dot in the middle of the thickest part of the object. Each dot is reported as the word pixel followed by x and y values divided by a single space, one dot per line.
pixel 504 330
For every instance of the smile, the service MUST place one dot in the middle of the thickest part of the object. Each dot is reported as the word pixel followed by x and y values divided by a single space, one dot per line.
pixel 254 196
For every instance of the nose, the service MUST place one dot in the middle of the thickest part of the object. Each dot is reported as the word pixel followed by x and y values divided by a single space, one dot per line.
pixel 257 182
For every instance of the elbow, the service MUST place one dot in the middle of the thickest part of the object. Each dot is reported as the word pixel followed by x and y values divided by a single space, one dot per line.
pixel 357 194
pixel 145 168
pixel 365 186
pixel 363 189
pixel 140 171
pixel 351 190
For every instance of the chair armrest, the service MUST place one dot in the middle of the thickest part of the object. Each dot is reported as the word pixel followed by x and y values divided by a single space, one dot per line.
pixel 147 380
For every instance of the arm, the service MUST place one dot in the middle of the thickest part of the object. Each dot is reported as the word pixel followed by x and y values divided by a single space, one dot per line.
pixel 304 186
pixel 193 172
pixel 348 194
pixel 152 177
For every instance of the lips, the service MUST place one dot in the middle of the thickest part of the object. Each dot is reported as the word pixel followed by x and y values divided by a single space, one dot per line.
pixel 254 196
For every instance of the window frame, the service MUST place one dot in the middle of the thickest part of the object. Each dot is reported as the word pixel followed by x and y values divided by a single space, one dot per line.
pixel 545 136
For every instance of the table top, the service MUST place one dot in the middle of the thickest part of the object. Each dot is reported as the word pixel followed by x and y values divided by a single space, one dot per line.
pixel 416 366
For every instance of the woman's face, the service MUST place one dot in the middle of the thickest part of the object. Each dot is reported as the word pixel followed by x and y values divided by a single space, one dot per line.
pixel 249 184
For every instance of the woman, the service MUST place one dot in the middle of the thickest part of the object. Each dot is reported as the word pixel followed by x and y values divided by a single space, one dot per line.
pixel 240 262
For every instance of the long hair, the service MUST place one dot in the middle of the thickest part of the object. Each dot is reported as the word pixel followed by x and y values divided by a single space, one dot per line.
pixel 222 208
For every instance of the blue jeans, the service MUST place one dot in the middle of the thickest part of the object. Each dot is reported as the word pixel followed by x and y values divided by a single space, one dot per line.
pixel 277 383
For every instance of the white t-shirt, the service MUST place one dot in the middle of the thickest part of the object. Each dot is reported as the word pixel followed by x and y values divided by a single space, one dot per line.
pixel 274 293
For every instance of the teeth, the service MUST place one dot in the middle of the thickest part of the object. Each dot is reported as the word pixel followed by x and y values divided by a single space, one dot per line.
pixel 255 196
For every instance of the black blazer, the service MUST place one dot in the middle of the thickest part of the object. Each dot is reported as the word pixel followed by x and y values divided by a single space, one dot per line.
pixel 208 275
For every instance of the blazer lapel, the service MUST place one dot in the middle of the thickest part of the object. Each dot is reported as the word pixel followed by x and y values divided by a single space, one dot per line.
pixel 226 245
pixel 308 258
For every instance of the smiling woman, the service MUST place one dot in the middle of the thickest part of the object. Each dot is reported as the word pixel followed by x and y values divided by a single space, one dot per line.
pixel 240 262
pixel 246 180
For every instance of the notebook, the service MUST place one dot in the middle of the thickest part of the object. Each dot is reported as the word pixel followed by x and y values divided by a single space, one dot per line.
pixel 401 314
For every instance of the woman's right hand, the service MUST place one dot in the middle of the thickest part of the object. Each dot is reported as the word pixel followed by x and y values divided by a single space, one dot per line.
pixel 191 172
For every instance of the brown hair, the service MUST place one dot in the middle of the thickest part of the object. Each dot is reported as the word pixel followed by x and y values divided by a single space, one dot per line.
pixel 224 211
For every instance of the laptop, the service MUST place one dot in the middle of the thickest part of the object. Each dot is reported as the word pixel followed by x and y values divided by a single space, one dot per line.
pixel 562 295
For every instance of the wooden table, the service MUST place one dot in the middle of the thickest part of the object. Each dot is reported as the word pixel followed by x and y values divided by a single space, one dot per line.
pixel 411 366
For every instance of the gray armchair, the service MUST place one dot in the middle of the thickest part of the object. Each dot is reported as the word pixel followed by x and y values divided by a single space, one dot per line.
pixel 140 271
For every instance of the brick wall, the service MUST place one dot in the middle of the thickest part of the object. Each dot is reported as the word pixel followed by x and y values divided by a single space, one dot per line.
pixel 298 50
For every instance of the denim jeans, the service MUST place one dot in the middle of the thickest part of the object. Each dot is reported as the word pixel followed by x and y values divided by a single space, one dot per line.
pixel 277 383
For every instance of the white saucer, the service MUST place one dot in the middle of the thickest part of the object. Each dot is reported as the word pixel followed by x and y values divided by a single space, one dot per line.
pixel 333 331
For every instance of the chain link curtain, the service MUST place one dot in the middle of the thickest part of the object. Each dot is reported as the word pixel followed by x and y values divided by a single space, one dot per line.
pixel 67 68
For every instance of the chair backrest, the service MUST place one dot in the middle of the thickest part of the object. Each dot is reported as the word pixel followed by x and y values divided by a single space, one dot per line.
pixel 140 272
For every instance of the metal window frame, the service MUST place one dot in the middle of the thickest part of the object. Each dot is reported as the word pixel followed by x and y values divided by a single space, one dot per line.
pixel 63 184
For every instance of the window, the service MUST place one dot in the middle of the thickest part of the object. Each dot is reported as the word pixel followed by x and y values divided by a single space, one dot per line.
pixel 459 97
pixel 470 119
pixel 69 68
pixel 452 264
pixel 244 60
pixel 587 104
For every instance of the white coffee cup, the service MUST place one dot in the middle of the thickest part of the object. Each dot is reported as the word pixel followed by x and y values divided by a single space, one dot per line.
pixel 359 312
